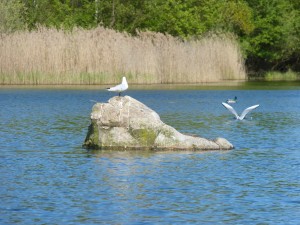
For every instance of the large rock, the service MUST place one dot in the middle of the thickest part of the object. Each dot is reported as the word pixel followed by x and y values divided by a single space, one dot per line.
pixel 125 123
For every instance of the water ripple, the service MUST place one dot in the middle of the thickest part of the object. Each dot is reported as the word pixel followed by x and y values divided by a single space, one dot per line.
pixel 47 178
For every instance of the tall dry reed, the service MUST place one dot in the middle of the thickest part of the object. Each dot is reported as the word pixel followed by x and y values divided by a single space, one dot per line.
pixel 103 56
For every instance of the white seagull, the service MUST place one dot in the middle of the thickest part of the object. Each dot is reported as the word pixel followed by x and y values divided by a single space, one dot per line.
pixel 244 113
pixel 121 87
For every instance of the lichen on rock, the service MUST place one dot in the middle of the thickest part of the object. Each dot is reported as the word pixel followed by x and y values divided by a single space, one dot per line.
pixel 125 123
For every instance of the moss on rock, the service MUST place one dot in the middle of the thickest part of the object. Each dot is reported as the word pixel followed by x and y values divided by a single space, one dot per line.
pixel 145 137
pixel 92 137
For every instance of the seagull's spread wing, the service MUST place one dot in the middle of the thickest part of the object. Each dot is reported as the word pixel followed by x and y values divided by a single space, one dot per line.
pixel 229 107
pixel 246 111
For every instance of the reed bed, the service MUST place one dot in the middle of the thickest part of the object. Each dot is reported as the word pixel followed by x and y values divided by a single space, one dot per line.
pixel 103 56
pixel 280 76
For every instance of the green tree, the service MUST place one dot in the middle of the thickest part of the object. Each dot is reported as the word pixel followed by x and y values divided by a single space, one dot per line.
pixel 61 14
pixel 276 35
pixel 226 16
pixel 11 17
pixel 178 18
pixel 184 18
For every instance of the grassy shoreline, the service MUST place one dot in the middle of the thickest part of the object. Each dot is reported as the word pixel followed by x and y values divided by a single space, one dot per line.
pixel 103 56
pixel 229 85
pixel 131 85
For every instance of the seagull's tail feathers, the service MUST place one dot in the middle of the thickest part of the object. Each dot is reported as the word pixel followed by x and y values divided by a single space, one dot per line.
pixel 115 88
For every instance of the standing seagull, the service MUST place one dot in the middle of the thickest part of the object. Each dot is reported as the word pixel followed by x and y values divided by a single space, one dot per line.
pixel 121 87
pixel 244 113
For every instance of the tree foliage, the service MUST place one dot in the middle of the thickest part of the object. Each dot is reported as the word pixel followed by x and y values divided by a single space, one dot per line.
pixel 268 30
pixel 11 17
pixel 274 43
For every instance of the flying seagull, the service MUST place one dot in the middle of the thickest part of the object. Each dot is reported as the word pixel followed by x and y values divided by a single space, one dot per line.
pixel 231 101
pixel 121 87
pixel 244 113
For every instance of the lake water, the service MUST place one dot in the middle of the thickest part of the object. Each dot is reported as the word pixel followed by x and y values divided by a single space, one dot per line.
pixel 46 177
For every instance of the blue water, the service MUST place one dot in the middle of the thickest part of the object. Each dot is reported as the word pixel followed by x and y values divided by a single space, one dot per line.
pixel 46 177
